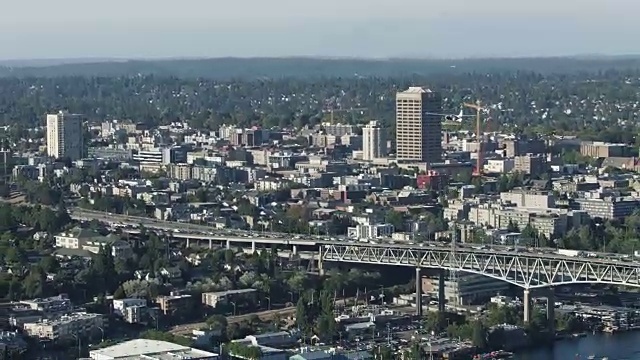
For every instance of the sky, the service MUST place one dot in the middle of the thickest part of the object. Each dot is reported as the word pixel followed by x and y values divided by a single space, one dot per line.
pixel 46 29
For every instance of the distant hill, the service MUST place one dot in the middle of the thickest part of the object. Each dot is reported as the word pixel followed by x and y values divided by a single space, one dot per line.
pixel 51 62
pixel 229 68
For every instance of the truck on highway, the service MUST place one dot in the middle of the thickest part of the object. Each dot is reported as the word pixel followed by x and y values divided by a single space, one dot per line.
pixel 568 252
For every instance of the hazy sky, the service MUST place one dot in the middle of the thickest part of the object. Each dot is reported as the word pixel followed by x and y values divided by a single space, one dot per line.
pixel 362 28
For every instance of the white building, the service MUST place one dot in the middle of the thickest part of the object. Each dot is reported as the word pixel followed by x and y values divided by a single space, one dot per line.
pixel 65 135
pixel 373 231
pixel 374 142
pixel 143 349
pixel 498 166
pixel 65 327
pixel 90 241
pixel 529 199
pixel 131 310
pixel 60 303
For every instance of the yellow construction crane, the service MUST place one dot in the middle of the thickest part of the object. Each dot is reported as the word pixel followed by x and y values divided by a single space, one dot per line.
pixel 351 110
pixel 478 108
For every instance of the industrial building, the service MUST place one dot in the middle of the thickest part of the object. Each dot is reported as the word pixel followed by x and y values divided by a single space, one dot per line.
pixel 143 349
pixel 461 288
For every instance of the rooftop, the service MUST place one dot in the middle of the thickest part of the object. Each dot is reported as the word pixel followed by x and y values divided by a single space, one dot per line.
pixel 69 318
pixel 140 349
pixel 416 90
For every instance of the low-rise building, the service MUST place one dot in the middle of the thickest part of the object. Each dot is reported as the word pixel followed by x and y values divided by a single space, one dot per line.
pixel 214 299
pixel 607 207
pixel 599 149
pixel 50 305
pixel 530 164
pixel 131 310
pixel 174 303
pixel 529 198
pixel 371 231
pixel 463 288
pixel 91 241
pixel 498 166
pixel 12 341
pixel 143 349
pixel 65 326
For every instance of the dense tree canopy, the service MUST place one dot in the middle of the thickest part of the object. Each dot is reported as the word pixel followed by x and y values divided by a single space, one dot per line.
pixel 525 98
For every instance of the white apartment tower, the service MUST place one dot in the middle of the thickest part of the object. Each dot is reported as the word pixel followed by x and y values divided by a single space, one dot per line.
pixel 65 135
pixel 418 126
pixel 374 142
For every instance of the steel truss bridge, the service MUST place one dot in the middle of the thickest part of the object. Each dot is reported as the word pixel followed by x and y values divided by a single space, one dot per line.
pixel 527 270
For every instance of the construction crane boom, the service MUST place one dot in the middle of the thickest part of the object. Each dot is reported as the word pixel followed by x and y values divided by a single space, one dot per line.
pixel 478 108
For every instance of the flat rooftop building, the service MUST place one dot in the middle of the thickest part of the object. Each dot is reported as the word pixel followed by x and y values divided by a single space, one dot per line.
pixel 418 127
pixel 143 349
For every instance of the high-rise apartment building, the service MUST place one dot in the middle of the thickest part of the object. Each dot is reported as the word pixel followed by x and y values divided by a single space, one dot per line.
pixel 418 126
pixel 374 142
pixel 65 135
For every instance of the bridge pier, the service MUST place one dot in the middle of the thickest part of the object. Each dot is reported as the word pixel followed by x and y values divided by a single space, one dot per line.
pixel 228 244
pixel 294 249
pixel 188 244
pixel 419 292
pixel 210 244
pixel 526 301
pixel 320 265
pixel 551 309
pixel 253 247
pixel 441 294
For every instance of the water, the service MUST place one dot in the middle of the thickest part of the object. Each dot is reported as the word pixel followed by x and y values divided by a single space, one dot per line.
pixel 620 346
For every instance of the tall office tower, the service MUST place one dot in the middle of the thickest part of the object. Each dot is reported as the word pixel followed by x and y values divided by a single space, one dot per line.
pixel 374 142
pixel 65 135
pixel 418 127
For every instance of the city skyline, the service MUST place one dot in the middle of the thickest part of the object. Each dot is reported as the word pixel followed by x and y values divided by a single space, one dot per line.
pixel 281 28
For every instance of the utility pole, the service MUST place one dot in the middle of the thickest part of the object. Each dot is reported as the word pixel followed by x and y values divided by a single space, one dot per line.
pixel 388 334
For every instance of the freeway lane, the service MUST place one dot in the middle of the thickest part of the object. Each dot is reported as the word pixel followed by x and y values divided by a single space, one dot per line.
pixel 88 215
pixel 202 232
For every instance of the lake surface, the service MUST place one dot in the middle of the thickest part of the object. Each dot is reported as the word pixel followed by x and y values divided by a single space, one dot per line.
pixel 620 346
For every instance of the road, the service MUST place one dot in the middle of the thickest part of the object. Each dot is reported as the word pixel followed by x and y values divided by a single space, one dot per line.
pixel 263 315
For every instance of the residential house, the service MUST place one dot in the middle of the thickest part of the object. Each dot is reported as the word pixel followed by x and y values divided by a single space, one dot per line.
pixel 171 273
pixel 91 241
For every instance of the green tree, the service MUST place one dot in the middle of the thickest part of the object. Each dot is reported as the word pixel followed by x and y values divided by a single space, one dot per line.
pixel 119 293
pixel 569 323
pixel 34 283
pixel 479 336
pixel 326 324
pixel 229 257
pixel 49 264
pixel 382 353
pixel 217 323
pixel 434 321
pixel 415 352
pixel 396 219
pixel 302 316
